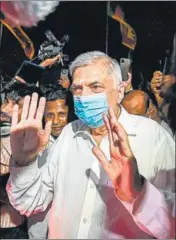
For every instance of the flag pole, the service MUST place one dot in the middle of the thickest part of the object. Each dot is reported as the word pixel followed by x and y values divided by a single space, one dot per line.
pixel 1 76
pixel 130 54
pixel 107 24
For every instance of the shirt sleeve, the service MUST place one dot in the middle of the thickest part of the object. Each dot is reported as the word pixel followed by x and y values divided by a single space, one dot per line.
pixel 30 189
pixel 154 210
pixel 152 214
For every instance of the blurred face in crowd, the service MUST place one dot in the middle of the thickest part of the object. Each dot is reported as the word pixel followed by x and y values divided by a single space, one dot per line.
pixel 57 112
pixel 137 102
pixel 152 112
pixel 93 79
pixel 167 82
pixel 7 109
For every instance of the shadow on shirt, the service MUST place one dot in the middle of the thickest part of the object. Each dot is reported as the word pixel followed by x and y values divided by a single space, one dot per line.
pixel 117 219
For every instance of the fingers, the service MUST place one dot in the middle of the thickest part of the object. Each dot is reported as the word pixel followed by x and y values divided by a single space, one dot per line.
pixel 113 118
pixel 123 141
pixel 41 109
pixel 56 58
pixel 120 131
pixel 32 109
pixel 157 73
pixel 45 63
pixel 113 122
pixel 65 83
pixel 129 77
pixel 156 80
pixel 20 79
pixel 61 81
pixel 108 127
pixel 25 108
pixel 157 77
pixel 64 80
pixel 33 106
pixel 15 115
pixel 50 61
pixel 102 159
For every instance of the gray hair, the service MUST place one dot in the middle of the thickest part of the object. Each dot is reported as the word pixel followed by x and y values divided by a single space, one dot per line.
pixel 89 58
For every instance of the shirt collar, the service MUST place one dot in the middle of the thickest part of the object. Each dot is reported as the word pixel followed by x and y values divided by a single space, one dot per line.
pixel 126 119
pixel 51 139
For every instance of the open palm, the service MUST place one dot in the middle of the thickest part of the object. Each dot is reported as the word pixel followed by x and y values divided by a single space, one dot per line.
pixel 28 137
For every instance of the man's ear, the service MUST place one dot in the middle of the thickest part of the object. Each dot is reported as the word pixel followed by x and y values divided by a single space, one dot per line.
pixel 121 92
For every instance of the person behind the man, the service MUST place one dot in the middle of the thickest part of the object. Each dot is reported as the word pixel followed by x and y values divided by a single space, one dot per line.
pixel 114 198
pixel 138 102
pixel 160 85
pixel 12 224
pixel 170 100
pixel 59 109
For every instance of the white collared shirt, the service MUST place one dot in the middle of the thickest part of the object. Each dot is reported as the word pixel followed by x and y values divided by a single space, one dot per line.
pixel 84 205
pixel 167 128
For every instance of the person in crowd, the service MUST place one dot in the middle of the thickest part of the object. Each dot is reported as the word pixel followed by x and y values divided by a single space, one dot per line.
pixel 15 94
pixel 172 107
pixel 170 101
pixel 138 102
pixel 12 224
pixel 108 177
pixel 160 85
pixel 59 109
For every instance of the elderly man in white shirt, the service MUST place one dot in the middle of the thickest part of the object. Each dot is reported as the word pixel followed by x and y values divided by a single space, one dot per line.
pixel 110 175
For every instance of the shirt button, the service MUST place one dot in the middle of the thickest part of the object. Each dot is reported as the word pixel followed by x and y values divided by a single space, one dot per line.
pixel 84 220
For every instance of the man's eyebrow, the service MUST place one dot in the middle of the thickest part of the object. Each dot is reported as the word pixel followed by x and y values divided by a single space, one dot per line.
pixel 62 111
pixel 95 82
pixel 50 112
pixel 89 84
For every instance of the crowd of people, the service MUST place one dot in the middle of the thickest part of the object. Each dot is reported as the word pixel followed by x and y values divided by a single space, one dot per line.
pixel 88 156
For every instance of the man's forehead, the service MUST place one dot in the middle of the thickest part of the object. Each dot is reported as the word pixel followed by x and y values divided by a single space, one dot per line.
pixel 95 72
pixel 56 103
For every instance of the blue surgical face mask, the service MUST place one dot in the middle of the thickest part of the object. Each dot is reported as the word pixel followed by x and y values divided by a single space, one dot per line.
pixel 90 109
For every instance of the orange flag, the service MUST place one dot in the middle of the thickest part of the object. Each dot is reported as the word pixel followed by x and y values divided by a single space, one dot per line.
pixel 21 36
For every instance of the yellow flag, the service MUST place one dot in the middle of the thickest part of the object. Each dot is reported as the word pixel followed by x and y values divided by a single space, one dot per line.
pixel 129 38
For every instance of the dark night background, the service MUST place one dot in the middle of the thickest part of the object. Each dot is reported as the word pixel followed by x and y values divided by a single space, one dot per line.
pixel 85 23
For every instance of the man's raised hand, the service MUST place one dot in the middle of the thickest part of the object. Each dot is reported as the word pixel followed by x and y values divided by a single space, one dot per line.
pixel 28 137
pixel 122 169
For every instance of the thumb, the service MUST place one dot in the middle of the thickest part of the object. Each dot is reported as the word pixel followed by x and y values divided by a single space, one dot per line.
pixel 101 157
